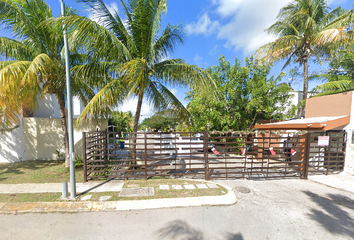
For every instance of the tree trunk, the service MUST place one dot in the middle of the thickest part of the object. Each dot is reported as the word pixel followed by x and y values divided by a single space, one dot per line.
pixel 138 110
pixel 306 86
pixel 61 102
pixel 136 122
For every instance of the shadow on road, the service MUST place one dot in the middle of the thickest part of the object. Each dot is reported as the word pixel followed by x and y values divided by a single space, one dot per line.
pixel 179 229
pixel 333 215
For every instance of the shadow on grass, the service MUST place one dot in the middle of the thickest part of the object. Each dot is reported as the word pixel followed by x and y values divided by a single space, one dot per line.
pixel 179 229
pixel 28 169
pixel 334 214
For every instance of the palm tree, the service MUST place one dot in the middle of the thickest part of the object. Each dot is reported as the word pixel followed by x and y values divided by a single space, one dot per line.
pixel 133 58
pixel 341 76
pixel 122 120
pixel 34 63
pixel 303 30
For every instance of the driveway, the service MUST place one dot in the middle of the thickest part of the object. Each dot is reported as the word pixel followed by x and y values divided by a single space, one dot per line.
pixel 277 209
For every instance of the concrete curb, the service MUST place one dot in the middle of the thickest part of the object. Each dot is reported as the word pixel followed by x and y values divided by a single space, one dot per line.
pixel 45 207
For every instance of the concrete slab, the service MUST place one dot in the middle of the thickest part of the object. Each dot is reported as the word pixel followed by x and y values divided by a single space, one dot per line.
pixel 189 186
pixel 212 185
pixel 338 181
pixel 137 192
pixel 85 198
pixel 201 186
pixel 164 187
pixel 177 187
pixel 104 198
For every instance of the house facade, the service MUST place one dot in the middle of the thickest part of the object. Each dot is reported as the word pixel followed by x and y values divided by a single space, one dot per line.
pixel 325 114
pixel 41 137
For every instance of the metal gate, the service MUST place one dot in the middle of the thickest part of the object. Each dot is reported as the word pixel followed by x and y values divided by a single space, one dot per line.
pixel 204 155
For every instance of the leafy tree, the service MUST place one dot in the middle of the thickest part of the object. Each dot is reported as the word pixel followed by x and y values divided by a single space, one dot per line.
pixel 304 29
pixel 246 95
pixel 161 120
pixel 131 54
pixel 123 121
pixel 34 63
pixel 340 77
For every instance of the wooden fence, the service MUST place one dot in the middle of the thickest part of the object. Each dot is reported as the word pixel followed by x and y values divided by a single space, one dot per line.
pixel 203 155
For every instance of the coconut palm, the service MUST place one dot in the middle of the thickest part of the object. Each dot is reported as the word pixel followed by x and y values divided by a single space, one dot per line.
pixel 341 76
pixel 131 54
pixel 33 62
pixel 303 30
pixel 122 120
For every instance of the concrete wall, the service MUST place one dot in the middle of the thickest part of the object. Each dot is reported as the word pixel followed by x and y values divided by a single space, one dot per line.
pixel 331 105
pixel 43 136
pixel 48 107
pixel 12 146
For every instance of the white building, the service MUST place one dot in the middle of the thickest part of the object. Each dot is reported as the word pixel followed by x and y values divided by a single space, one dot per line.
pixel 40 136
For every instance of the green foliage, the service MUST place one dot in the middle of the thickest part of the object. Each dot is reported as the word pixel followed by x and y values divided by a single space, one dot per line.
pixel 341 76
pixel 78 161
pixel 246 95
pixel 131 54
pixel 123 121
pixel 164 120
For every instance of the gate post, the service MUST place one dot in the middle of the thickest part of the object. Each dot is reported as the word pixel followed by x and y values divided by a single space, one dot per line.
pixel 206 161
pixel 306 156
pixel 145 155
pixel 84 155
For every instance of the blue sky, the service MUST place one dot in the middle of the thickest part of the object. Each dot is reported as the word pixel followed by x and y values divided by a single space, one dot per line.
pixel 213 28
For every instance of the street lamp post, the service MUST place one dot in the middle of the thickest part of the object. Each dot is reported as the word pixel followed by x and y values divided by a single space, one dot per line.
pixel 70 111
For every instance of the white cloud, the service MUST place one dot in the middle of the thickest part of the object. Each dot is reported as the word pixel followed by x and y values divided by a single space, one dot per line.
pixel 245 30
pixel 173 91
pixel 198 59
pixel 228 7
pixel 131 105
pixel 204 26
pixel 112 8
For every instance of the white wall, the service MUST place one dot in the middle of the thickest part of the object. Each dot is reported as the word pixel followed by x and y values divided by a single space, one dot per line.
pixel 12 146
pixel 349 157
pixel 48 107
pixel 43 136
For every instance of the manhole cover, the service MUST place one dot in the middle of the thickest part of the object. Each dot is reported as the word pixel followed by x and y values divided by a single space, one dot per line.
pixel 242 189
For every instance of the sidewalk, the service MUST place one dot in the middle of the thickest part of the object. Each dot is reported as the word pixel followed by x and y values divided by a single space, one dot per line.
pixel 336 181
pixel 110 186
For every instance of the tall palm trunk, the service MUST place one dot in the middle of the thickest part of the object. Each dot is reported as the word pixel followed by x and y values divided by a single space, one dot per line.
pixel 136 122
pixel 306 86
pixel 61 102
pixel 138 110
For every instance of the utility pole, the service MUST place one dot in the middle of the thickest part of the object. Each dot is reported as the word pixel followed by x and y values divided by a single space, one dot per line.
pixel 70 111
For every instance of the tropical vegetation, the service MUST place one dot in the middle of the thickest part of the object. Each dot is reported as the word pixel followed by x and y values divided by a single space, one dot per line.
pixel 246 95
pixel 132 55
pixel 164 120
pixel 33 62
pixel 121 121
pixel 305 29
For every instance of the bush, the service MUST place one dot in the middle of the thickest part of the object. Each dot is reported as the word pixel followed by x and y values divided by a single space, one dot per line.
pixel 78 161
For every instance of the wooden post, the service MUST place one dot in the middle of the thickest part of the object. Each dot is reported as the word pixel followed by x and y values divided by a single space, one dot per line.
pixel 84 155
pixel 307 156
pixel 145 155
pixel 303 152
pixel 206 161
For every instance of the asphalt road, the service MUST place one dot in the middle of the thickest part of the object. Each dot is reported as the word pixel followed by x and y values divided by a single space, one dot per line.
pixel 278 209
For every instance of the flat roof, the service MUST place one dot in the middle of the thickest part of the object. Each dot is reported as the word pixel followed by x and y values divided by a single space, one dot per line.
pixel 315 123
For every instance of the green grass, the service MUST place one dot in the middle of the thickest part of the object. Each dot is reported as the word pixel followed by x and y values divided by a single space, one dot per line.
pixel 37 171
pixel 54 197
pixel 29 197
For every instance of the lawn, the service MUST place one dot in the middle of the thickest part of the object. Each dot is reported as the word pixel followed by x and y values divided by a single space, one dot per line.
pixel 37 171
